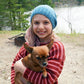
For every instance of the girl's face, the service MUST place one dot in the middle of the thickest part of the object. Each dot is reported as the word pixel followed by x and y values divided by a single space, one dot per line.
pixel 42 26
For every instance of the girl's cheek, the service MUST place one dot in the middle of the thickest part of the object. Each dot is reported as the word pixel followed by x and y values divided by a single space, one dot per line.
pixel 34 27
pixel 48 27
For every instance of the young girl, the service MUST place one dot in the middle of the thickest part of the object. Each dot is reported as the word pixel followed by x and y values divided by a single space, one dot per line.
pixel 43 21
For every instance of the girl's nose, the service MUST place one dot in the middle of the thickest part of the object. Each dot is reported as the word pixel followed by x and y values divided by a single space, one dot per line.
pixel 41 26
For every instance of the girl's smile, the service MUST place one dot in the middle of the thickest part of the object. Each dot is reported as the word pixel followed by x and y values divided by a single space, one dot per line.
pixel 42 26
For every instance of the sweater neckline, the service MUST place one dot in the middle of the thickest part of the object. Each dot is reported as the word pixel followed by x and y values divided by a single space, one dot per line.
pixel 44 43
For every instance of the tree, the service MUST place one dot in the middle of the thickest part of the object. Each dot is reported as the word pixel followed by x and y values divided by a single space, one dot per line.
pixel 12 12
pixel 79 2
pixel 48 2
pixel 3 13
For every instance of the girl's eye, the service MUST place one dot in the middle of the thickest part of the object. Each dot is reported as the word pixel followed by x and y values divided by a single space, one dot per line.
pixel 46 22
pixel 36 22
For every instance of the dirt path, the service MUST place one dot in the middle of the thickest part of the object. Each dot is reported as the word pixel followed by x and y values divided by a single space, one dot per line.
pixel 73 72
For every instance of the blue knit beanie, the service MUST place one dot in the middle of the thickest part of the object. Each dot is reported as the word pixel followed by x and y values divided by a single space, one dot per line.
pixel 46 11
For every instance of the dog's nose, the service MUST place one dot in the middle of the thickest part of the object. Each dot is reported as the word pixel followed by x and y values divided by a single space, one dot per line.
pixel 44 64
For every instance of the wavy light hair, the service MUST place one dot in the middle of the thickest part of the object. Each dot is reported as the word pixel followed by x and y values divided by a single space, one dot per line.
pixel 33 40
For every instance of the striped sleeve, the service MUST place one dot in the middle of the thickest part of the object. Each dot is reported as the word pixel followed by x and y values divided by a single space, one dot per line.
pixel 54 67
pixel 19 55
pixel 56 61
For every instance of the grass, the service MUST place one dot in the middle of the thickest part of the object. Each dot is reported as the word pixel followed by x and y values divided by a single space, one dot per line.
pixel 70 38
pixel 11 32
pixel 73 38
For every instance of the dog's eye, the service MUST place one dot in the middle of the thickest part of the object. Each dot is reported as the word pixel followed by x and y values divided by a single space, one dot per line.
pixel 38 58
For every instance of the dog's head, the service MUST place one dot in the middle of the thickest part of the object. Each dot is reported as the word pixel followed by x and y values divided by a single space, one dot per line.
pixel 39 54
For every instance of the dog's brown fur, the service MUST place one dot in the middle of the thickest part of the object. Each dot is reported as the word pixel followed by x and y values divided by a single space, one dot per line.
pixel 36 60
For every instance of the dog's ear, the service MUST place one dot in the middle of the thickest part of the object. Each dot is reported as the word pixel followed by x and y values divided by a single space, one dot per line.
pixel 50 44
pixel 28 48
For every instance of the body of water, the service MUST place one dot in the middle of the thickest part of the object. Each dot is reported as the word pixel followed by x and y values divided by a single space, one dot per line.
pixel 74 15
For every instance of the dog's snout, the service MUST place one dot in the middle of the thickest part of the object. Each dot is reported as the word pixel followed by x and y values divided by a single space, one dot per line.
pixel 44 64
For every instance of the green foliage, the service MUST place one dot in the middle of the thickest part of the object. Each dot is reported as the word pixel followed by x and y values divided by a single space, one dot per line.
pixel 3 13
pixel 49 2
pixel 12 12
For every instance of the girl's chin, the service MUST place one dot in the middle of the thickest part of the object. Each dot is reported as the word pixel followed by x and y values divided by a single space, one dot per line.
pixel 41 37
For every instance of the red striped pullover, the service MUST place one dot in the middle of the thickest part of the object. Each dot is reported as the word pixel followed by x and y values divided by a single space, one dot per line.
pixel 54 68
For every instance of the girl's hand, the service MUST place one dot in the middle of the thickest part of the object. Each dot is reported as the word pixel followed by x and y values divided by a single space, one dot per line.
pixel 19 67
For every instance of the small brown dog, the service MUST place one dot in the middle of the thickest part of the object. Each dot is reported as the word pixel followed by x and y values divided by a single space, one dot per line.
pixel 36 60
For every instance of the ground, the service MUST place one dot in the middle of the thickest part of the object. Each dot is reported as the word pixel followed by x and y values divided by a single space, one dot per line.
pixel 73 71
